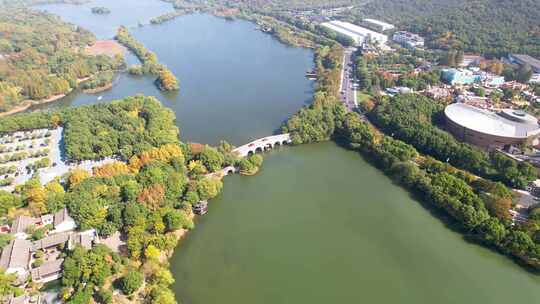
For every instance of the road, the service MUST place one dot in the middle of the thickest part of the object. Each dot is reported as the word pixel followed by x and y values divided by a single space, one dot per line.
pixel 347 91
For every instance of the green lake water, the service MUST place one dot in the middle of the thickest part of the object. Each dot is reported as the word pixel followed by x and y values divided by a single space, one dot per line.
pixel 318 224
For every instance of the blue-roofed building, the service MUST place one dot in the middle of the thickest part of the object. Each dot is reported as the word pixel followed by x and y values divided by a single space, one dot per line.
pixel 460 76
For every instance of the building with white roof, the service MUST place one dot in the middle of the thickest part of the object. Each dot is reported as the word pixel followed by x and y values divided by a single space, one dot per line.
pixel 359 34
pixel 379 25
pixel 489 129
pixel 408 40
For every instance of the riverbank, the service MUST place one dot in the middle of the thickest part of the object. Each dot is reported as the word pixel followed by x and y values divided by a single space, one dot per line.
pixel 99 89
pixel 25 105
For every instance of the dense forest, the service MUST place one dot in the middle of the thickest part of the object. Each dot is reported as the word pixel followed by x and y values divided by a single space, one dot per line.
pixel 120 128
pixel 491 27
pixel 42 56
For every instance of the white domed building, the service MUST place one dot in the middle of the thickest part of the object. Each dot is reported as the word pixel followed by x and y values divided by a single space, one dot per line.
pixel 488 129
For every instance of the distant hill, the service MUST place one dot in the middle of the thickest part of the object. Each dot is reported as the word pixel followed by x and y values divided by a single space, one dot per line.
pixel 492 27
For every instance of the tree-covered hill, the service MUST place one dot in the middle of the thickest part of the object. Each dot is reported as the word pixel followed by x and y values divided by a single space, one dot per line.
pixel 493 27
pixel 42 56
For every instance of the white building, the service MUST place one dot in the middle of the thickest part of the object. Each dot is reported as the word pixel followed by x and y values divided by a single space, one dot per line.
pixel 408 40
pixel 379 25
pixel 359 34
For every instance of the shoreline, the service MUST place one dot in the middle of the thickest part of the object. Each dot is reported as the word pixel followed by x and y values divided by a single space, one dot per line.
pixel 25 105
pixel 99 89
pixel 28 103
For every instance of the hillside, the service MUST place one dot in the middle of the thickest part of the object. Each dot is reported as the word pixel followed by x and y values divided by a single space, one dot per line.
pixel 41 56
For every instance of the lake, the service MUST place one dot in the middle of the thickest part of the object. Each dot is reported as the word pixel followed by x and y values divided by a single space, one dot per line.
pixel 318 224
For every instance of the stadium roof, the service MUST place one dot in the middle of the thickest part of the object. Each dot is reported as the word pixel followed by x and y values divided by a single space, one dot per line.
pixel 520 124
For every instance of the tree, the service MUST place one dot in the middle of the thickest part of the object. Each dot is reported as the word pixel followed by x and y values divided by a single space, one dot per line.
pixel 152 196
pixel 7 287
pixel 34 195
pixel 152 253
pixel 111 169
pixel 500 207
pixel 162 296
pixel 459 57
pixel 496 67
pixel 211 158
pixel 524 73
pixel 131 282
pixel 167 81
pixel 76 176
pixel 209 188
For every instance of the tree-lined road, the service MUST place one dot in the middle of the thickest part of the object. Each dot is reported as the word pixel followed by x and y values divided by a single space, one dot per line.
pixel 347 90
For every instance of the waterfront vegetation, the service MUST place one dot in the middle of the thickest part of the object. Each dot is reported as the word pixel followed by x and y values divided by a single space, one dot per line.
pixel 42 56
pixel 166 80
pixel 99 82
pixel 411 118
pixel 147 197
pixel 478 206
pixel 168 16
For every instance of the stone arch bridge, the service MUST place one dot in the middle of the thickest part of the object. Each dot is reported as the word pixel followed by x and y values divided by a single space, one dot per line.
pixel 262 144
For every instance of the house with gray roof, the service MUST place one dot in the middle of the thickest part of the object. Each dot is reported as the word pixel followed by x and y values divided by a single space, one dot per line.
pixel 61 222
pixel 21 224
pixel 47 272
pixel 15 257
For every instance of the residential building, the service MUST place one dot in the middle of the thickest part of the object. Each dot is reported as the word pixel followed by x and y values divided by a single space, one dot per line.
pixel 460 76
pixel 378 25
pixel 60 221
pixel 408 40
pixel 15 257
pixel 359 34
pixel 47 272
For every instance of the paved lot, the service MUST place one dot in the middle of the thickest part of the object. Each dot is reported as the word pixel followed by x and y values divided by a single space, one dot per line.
pixel 59 166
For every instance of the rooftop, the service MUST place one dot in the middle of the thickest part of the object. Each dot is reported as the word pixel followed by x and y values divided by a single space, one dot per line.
pixel 16 254
pixel 507 123
pixel 47 269
pixel 533 62
pixel 378 22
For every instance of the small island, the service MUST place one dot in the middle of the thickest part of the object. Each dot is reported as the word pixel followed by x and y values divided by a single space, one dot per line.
pixel 100 10
pixel 166 80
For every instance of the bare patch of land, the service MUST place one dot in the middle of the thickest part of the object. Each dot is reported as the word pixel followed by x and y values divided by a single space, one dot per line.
pixel 105 47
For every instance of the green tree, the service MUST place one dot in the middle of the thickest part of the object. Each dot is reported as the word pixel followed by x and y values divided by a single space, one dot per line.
pixel 131 282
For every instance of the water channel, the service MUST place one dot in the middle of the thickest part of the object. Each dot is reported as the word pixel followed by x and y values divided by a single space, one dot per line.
pixel 318 224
